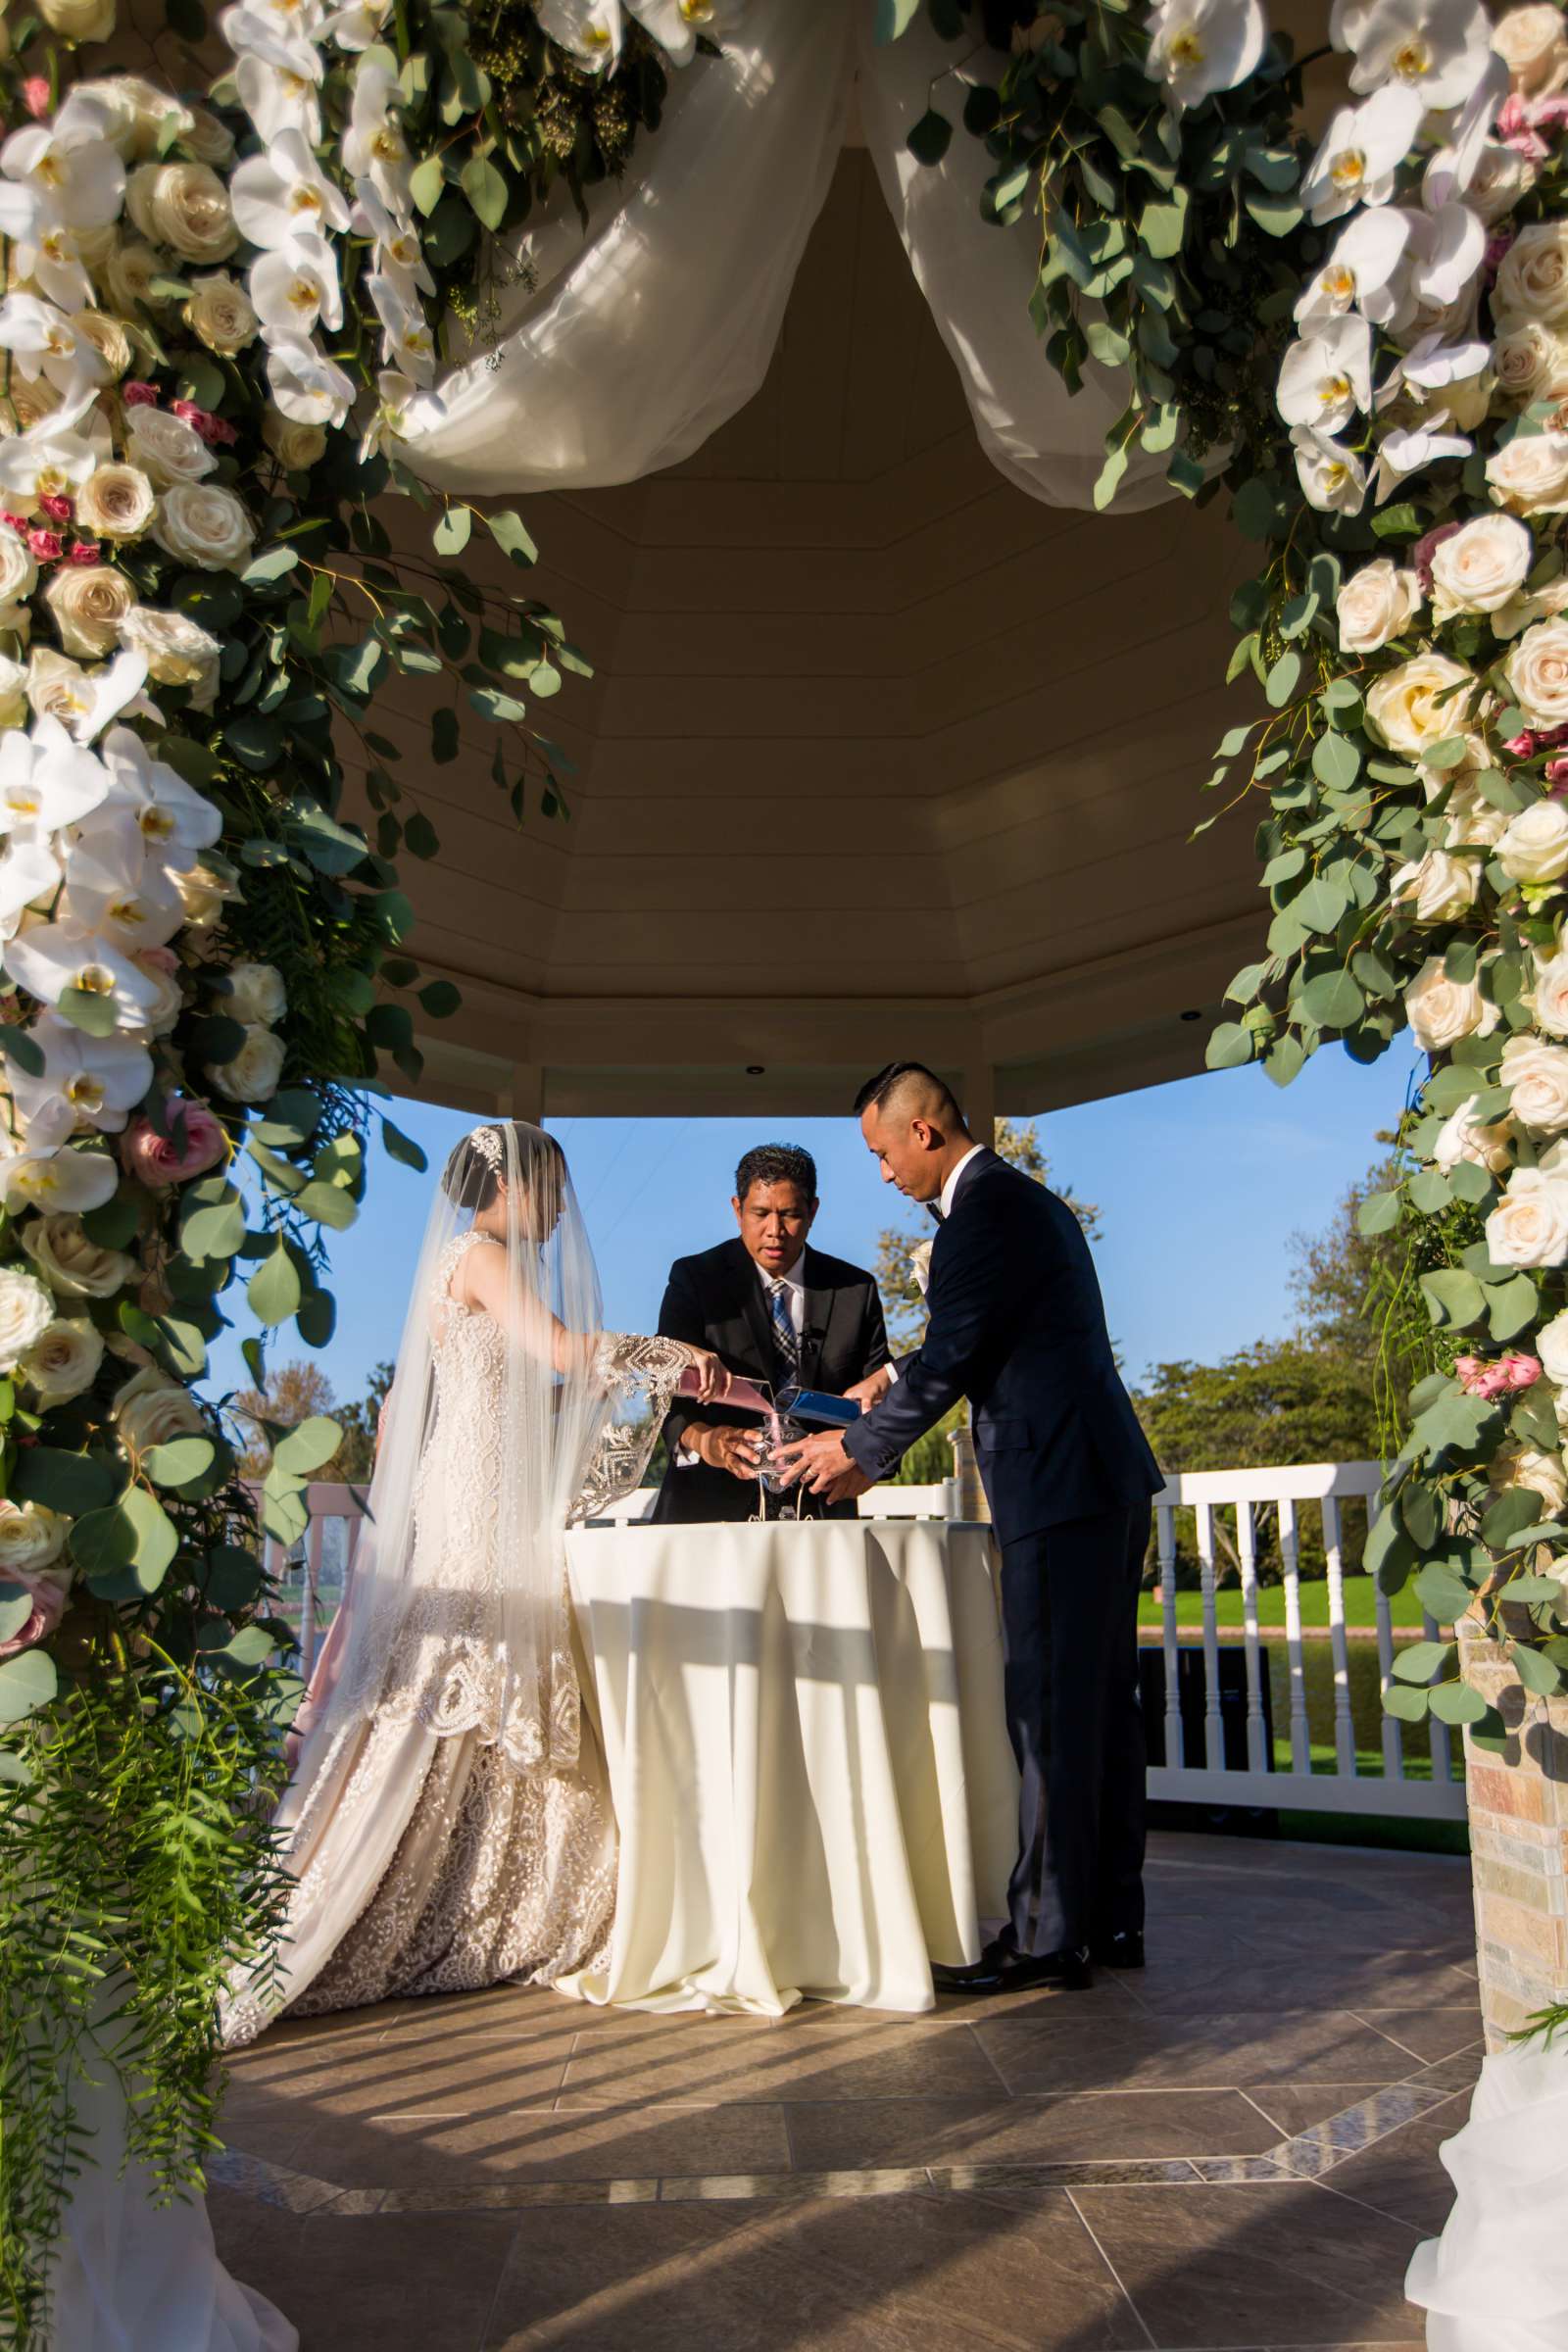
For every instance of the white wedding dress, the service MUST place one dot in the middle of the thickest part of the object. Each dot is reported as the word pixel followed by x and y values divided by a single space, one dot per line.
pixel 1496 2281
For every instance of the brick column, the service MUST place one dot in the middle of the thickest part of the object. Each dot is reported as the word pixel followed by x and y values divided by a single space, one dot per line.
pixel 1518 1804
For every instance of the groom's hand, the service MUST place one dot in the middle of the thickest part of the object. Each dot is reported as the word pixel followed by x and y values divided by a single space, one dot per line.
pixel 871 1390
pixel 824 1465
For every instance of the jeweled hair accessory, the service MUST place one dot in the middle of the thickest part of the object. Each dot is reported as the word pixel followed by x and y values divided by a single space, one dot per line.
pixel 486 1141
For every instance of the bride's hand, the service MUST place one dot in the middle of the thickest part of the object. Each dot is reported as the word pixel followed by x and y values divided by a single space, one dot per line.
pixel 712 1380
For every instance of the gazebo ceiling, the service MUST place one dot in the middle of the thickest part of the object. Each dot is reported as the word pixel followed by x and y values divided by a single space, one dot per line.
pixel 881 757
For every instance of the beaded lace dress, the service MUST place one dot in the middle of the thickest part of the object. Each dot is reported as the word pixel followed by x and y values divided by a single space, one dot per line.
pixel 443 1838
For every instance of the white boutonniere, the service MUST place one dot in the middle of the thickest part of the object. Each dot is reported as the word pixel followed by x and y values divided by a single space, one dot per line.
pixel 920 1264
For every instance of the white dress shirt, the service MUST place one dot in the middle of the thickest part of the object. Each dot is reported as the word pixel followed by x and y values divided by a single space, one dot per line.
pixel 945 1203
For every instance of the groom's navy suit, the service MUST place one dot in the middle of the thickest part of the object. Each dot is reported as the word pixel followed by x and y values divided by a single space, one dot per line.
pixel 1018 1325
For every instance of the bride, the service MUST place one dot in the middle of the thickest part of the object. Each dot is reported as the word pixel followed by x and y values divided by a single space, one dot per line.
pixel 447 1824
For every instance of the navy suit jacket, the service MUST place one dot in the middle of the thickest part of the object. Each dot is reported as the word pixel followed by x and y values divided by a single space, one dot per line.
pixel 1018 1325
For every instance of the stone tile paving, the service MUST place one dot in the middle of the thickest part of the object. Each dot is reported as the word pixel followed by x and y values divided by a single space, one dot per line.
pixel 1236 2148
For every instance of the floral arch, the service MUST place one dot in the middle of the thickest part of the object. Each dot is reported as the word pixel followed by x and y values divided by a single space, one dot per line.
pixel 225 321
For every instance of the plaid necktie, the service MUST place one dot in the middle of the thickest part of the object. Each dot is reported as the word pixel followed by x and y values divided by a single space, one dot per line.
pixel 785 1338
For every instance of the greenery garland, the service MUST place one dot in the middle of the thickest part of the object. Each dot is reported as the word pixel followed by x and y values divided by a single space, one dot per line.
pixel 203 961
pixel 1403 629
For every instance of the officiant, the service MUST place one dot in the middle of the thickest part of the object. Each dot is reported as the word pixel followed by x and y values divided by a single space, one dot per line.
pixel 773 1310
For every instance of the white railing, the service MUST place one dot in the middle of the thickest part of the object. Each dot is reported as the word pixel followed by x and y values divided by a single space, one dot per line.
pixel 1293 1749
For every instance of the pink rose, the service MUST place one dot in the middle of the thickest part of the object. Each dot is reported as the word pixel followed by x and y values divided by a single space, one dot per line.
pixel 35 95
pixel 139 396
pixel 58 509
pixel 13 522
pixel 194 1143
pixel 1515 131
pixel 84 551
pixel 159 960
pixel 1500 1379
pixel 47 546
pixel 216 431
pixel 1425 549
pixel 47 1591
pixel 1556 777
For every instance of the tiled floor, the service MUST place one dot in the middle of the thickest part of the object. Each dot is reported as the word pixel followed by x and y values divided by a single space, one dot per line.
pixel 1236 2148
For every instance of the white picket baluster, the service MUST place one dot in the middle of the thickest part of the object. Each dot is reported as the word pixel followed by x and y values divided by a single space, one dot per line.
pixel 1291 1559
pixel 1213 1728
pixel 1247 1546
pixel 1392 1729
pixel 1437 1731
pixel 1344 1720
pixel 1165 1526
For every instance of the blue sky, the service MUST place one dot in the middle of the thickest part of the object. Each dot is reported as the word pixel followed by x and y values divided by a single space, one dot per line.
pixel 1199 1186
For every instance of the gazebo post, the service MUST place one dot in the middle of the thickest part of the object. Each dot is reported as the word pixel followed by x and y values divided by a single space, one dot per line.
pixel 980 1097
pixel 526 1097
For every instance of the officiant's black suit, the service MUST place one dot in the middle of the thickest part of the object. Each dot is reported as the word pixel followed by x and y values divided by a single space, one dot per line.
pixel 716 1301
pixel 1018 1325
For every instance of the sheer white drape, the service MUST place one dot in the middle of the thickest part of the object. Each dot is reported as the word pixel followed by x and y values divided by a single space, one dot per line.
pixel 619 350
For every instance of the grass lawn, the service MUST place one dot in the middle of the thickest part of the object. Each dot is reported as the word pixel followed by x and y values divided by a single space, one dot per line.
pixel 1359 1607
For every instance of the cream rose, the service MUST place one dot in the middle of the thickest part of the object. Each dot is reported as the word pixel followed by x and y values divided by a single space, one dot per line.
pixel 1550 995
pixel 13 692
pixel 1404 706
pixel 108 338
pixel 1375 604
pixel 1535 846
pixel 177 652
pixel 295 445
pixel 1538 1077
pixel 253 1074
pixel 184 205
pixel 1473 822
pixel 26 402
pixel 204 893
pixel 256 995
pixel 1531 363
pixel 56 686
pixel 1481 567
pixel 165 448
pixel 1529 474
pixel 1529 42
pixel 1537 671
pixel 1551 1347
pixel 32 1538
pixel 71 1264
pixel 1533 274
pixel 1465 1138
pixel 117 502
pixel 138 111
pixel 127 273
pixel 19 573
pixel 206 138
pixel 1501 176
pixel 1438 889
pixel 88 605
pixel 165 1007
pixel 1442 1010
pixel 151 1408
pixel 219 314
pixel 62 1360
pixel 26 1309
pixel 78 20
pixel 1539 1474
pixel 1529 1227
pixel 201 523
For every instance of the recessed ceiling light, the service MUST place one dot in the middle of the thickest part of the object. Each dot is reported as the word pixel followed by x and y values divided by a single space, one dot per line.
pixel 755 1069
pixel 1192 1017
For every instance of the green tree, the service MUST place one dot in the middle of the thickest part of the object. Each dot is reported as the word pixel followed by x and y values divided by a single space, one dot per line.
pixel 295 1392
pixel 355 1459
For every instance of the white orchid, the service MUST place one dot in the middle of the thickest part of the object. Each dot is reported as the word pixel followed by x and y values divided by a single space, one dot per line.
pixel 47 780
pixel 1447 250
pixel 1200 46
pixel 308 386
pixel 174 820
pixel 85 699
pixel 402 405
pixel 1361 151
pixel 1404 452
pixel 408 342
pixel 1453 168
pixel 295 285
pixel 1333 479
pixel 289 19
pixel 99 1079
pixel 1365 271
pixel 373 145
pixel 277 76
pixel 399 255
pixel 674 23
pixel 55 958
pixel 283 193
pixel 55 456
pixel 1436 48
pixel 358 26
pixel 588 30
pixel 51 260
pixel 1325 377
pixel 71 168
pixel 114 889
pixel 46 343
pixel 47 1174
pixel 1432 365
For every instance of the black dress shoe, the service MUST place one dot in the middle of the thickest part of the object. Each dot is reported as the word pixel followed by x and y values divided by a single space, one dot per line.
pixel 1124 1950
pixel 1001 1969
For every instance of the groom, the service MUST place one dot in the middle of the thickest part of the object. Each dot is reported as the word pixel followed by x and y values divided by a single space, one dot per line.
pixel 1018 1326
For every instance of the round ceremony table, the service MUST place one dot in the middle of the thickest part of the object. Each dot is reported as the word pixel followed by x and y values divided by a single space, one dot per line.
pixel 808 1755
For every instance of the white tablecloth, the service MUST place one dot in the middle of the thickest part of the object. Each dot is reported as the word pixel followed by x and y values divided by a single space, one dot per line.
pixel 803 1733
